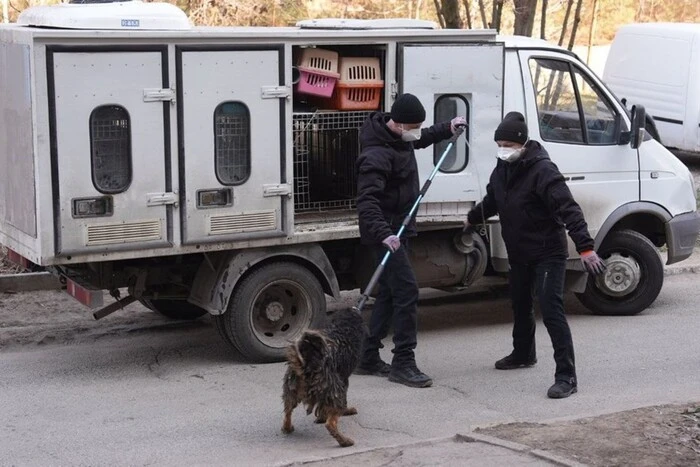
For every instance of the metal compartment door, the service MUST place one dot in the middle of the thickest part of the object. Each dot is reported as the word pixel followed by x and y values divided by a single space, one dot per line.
pixel 110 149
pixel 472 76
pixel 232 160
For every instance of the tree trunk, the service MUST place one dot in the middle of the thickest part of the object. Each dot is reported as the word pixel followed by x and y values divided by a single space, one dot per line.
pixel 467 7
pixel 591 31
pixel 565 24
pixel 482 10
pixel 450 14
pixel 524 17
pixel 419 4
pixel 438 10
pixel 574 27
pixel 496 14
pixel 543 29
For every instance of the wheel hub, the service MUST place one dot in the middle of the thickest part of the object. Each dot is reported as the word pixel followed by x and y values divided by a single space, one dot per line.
pixel 622 275
pixel 274 311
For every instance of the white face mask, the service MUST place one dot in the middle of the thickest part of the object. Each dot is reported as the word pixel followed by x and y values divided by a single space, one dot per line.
pixel 510 154
pixel 411 135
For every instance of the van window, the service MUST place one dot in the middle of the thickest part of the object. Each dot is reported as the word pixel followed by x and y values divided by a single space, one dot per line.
pixel 110 148
pixel 232 143
pixel 571 108
pixel 448 107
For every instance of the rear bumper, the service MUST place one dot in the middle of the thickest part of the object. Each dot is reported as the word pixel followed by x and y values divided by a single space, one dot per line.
pixel 681 234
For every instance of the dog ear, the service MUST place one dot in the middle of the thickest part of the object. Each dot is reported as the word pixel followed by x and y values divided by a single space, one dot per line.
pixel 312 347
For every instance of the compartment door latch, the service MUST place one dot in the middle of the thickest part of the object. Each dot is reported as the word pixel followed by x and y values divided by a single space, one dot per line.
pixel 276 92
pixel 162 199
pixel 159 95
pixel 278 189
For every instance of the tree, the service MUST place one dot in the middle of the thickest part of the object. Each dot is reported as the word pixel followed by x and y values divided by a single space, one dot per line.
pixel 524 17
pixel 448 13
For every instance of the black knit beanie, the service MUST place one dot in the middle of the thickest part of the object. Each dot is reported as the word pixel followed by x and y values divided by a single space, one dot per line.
pixel 512 128
pixel 407 109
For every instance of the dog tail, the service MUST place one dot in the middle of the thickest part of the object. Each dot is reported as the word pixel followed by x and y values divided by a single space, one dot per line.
pixel 308 351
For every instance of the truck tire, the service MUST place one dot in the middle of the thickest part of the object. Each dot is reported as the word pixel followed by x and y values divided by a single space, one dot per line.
pixel 270 308
pixel 633 277
pixel 174 309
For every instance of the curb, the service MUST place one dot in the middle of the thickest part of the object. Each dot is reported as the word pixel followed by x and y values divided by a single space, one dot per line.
pixel 520 448
pixel 463 438
pixel 29 282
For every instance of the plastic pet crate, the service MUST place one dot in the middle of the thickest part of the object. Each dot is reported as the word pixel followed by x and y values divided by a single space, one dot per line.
pixel 360 85
pixel 318 69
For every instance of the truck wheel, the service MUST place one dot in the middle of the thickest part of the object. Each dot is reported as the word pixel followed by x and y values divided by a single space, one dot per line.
pixel 270 308
pixel 632 279
pixel 174 309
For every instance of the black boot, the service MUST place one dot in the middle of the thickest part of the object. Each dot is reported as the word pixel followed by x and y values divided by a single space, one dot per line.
pixel 561 389
pixel 376 367
pixel 409 375
pixel 510 362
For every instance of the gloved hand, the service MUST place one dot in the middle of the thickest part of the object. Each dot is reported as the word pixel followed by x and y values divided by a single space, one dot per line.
pixel 467 226
pixel 457 121
pixel 392 242
pixel 592 262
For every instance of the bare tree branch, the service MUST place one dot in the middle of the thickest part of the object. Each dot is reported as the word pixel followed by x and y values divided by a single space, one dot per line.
pixel 574 27
pixel 543 30
pixel 438 10
pixel 569 4
pixel 482 10
pixel 467 7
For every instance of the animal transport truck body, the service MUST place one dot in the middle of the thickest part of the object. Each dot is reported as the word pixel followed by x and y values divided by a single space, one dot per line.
pixel 211 170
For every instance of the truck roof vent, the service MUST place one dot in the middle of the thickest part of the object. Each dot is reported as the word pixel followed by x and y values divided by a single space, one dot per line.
pixel 106 14
pixel 387 23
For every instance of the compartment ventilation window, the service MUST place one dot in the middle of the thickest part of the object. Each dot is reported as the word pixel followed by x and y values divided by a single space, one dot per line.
pixel 448 107
pixel 232 143
pixel 110 148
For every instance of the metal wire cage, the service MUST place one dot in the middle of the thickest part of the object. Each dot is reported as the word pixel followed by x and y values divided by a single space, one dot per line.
pixel 326 146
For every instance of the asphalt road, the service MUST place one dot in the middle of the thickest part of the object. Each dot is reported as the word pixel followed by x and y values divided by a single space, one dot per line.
pixel 174 394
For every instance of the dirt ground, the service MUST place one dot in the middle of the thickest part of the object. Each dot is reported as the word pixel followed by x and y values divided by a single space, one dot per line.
pixel 652 436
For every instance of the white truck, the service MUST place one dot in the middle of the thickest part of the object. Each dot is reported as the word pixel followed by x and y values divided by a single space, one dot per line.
pixel 198 169
pixel 657 65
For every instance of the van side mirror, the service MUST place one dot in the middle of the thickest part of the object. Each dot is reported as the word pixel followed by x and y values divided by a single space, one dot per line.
pixel 638 124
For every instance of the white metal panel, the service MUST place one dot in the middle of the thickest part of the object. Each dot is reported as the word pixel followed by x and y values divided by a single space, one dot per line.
pixel 84 81
pixel 209 79
pixel 474 72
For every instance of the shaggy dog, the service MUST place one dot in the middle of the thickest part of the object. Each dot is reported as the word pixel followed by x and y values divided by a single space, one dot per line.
pixel 319 364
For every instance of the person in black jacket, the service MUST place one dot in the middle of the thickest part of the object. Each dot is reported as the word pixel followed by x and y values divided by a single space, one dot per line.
pixel 535 206
pixel 387 187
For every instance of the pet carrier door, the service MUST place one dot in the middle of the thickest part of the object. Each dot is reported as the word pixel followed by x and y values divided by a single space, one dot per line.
pixel 110 149
pixel 232 157
pixel 453 80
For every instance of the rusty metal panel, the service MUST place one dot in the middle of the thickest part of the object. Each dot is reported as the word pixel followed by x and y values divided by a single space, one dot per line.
pixel 17 193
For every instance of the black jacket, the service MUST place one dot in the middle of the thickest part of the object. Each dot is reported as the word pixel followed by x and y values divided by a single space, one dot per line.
pixel 387 177
pixel 534 205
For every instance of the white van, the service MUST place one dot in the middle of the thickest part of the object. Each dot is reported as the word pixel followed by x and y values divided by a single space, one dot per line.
pixel 212 170
pixel 657 65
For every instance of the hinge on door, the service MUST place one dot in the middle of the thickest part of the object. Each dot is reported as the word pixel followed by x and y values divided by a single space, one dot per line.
pixel 159 95
pixel 394 89
pixel 162 199
pixel 275 92
pixel 278 189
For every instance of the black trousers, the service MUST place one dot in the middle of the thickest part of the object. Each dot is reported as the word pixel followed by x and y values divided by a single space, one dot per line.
pixel 546 280
pixel 396 305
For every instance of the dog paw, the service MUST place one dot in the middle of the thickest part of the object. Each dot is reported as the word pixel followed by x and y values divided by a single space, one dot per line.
pixel 346 442
pixel 350 411
pixel 287 429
